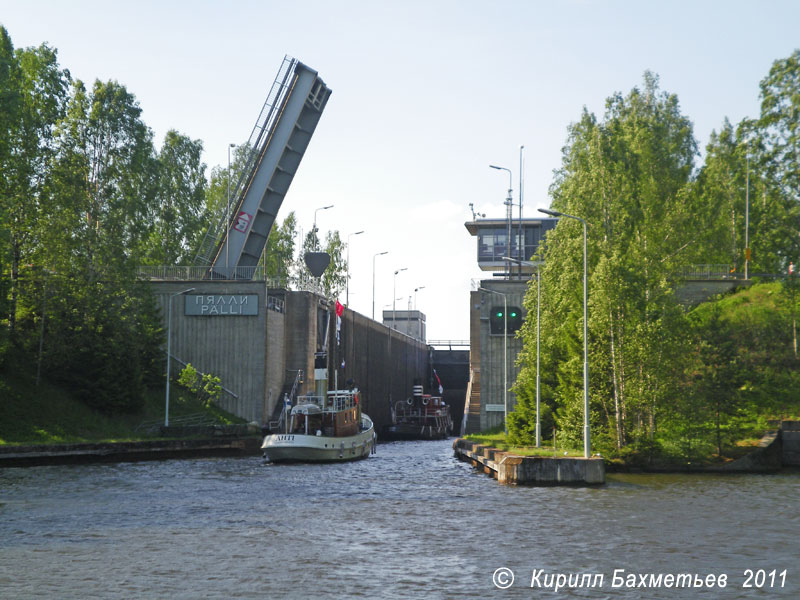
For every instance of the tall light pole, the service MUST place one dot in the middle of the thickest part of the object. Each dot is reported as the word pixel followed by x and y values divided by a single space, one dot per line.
pixel 316 239
pixel 508 203
pixel 169 348
pixel 520 240
pixel 505 355
pixel 394 293
pixel 347 283
pixel 587 445
pixel 373 280
pixel 747 220
pixel 416 289
pixel 228 216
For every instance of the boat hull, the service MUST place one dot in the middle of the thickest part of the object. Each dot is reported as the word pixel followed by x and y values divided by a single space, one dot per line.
pixel 405 431
pixel 294 447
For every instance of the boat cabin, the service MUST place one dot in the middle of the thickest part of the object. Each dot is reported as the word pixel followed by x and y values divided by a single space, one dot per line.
pixel 337 415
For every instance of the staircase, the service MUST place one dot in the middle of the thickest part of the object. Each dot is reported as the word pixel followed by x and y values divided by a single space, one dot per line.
pixel 278 420
pixel 472 410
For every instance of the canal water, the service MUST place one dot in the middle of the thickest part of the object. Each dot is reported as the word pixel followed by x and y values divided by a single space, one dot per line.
pixel 409 522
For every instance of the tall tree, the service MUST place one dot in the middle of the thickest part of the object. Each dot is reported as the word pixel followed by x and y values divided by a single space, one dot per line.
pixel 34 94
pixel 107 168
pixel 629 178
pixel 779 134
pixel 780 123
pixel 180 213
pixel 279 253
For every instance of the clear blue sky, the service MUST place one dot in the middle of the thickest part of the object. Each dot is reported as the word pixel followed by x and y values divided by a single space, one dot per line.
pixel 426 94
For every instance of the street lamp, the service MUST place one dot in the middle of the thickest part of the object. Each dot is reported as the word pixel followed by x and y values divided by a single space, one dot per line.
pixel 747 219
pixel 169 348
pixel 505 355
pixel 587 445
pixel 538 321
pixel 347 283
pixel 508 203
pixel 373 280
pixel 314 230
pixel 422 287
pixel 394 293
pixel 228 216
pixel 520 240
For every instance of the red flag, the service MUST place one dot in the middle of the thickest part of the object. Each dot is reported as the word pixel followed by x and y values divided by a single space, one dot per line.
pixel 439 381
pixel 339 309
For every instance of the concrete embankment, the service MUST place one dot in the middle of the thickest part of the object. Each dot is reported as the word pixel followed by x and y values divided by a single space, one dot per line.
pixel 59 454
pixel 531 470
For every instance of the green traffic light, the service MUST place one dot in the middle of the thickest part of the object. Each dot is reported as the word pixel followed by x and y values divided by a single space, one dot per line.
pixel 499 315
pixel 513 314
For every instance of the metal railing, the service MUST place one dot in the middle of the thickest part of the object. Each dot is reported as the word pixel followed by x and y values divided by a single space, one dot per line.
pixel 711 271
pixel 448 343
pixel 193 273
pixel 185 421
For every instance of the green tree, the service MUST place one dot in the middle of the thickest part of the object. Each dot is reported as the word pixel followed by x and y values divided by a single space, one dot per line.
pixel 780 123
pixel 717 374
pixel 180 215
pixel 279 253
pixel 629 177
pixel 34 94
pixel 106 169
pixel 741 203
pixel 222 186
pixel 334 278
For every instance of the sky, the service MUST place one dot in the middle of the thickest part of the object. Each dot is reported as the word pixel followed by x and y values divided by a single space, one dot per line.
pixel 425 96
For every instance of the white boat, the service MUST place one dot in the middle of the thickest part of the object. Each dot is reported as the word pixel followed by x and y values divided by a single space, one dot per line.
pixel 327 428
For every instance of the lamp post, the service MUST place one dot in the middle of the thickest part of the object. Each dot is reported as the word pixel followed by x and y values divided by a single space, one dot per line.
pixel 394 293
pixel 508 216
pixel 422 287
pixel 747 221
pixel 587 445
pixel 169 348
pixel 314 230
pixel 347 283
pixel 505 355
pixel 520 241
pixel 373 280
pixel 228 216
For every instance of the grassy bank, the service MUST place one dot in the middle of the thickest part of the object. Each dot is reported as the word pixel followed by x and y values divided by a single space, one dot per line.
pixel 496 438
pixel 44 414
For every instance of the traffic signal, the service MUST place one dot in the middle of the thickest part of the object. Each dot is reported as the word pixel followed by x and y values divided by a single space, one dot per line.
pixel 497 319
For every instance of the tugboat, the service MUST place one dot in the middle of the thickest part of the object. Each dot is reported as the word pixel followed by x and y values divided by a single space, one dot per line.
pixel 322 428
pixel 421 417
pixel 327 426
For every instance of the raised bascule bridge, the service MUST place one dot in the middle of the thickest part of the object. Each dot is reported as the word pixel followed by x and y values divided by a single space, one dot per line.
pixel 227 319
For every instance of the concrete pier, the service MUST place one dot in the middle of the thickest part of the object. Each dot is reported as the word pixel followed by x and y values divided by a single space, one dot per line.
pixel 63 454
pixel 514 469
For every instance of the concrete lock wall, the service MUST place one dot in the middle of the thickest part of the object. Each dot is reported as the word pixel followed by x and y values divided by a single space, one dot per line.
pixel 257 356
pixel 383 363
pixel 232 347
